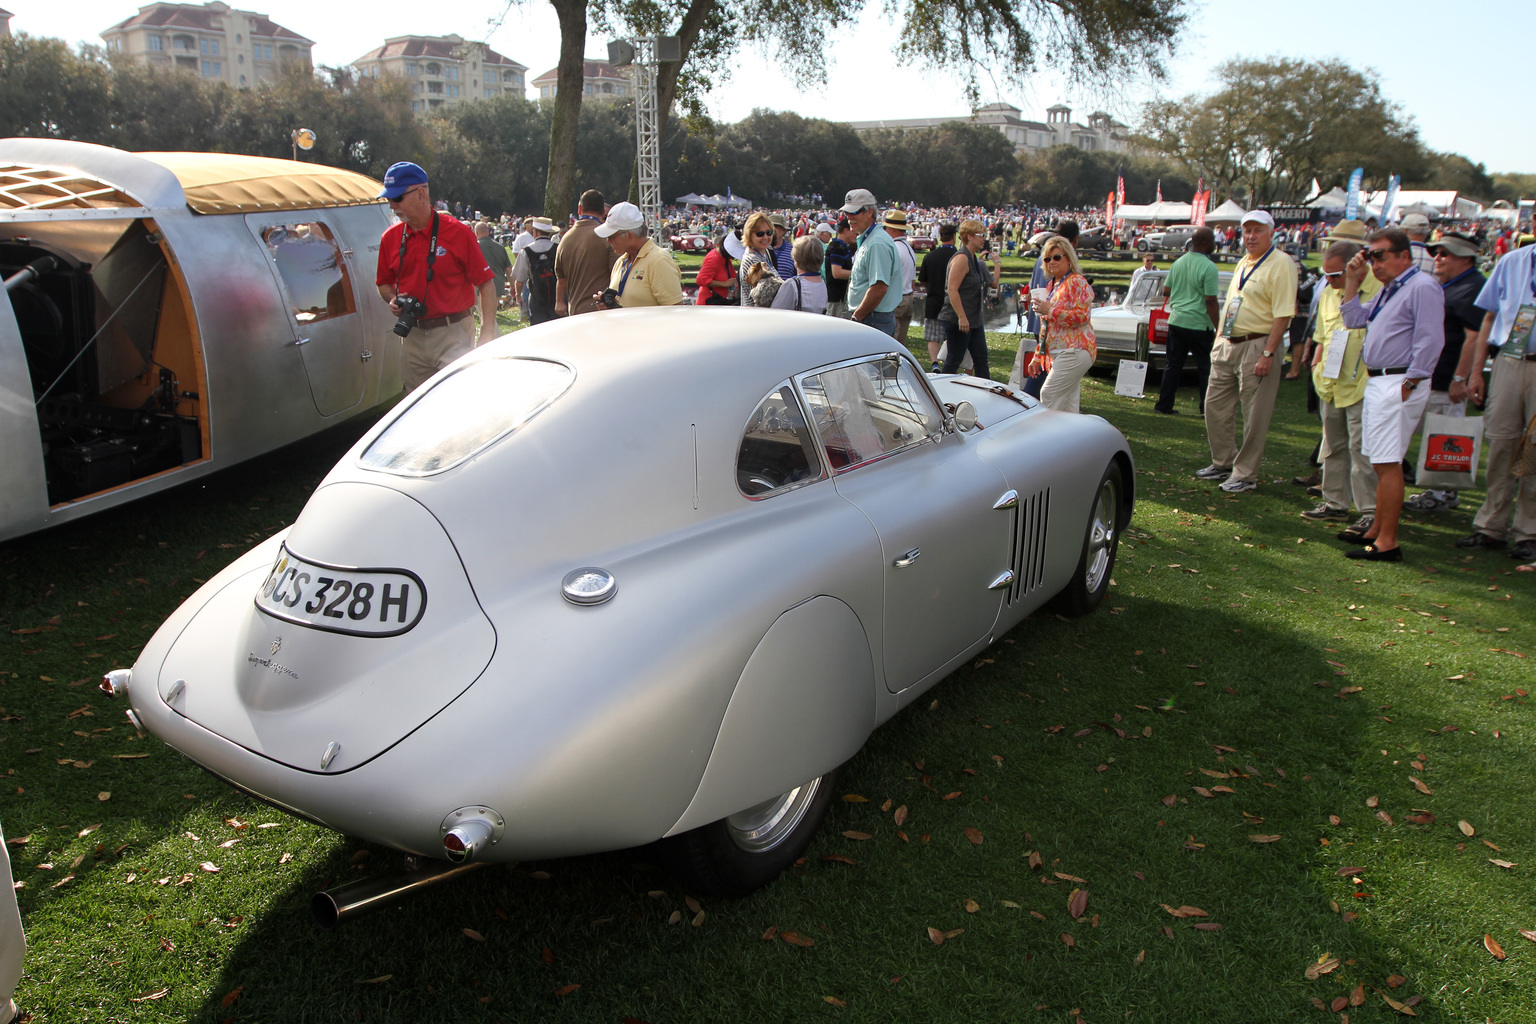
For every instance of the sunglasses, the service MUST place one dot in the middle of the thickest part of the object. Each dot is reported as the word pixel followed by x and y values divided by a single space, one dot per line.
pixel 1377 254
pixel 1053 257
pixel 401 197
pixel 762 234
pixel 1334 274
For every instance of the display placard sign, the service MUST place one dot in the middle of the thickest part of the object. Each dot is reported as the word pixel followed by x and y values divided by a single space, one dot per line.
pixel 1131 378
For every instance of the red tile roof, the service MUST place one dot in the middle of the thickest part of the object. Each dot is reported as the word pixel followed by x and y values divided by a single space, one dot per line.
pixel 200 18
pixel 437 47
pixel 598 69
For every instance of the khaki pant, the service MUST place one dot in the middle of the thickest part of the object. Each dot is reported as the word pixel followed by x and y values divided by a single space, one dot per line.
pixel 1348 476
pixel 1511 404
pixel 13 940
pixel 424 352
pixel 903 317
pixel 1233 383
pixel 1063 388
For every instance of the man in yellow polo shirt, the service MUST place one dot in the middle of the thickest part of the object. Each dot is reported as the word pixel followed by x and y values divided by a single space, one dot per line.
pixel 1261 299
pixel 1338 374
pixel 645 274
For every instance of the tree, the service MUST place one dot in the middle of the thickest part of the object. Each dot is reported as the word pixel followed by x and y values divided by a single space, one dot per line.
pixel 46 91
pixel 1277 123
pixel 565 111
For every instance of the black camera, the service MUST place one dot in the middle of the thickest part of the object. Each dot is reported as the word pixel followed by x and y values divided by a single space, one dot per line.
pixel 609 298
pixel 411 310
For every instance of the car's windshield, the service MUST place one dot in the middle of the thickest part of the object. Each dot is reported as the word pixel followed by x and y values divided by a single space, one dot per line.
pixel 465 413
pixel 1149 287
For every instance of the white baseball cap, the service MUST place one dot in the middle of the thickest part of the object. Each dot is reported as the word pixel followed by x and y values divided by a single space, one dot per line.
pixel 824 226
pixel 858 199
pixel 622 217
pixel 1259 217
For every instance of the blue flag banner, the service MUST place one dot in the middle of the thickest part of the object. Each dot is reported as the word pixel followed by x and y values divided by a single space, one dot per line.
pixel 1390 202
pixel 1352 204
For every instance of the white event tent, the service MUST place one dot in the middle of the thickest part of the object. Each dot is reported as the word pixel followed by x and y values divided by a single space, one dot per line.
pixel 1227 213
pixel 1165 212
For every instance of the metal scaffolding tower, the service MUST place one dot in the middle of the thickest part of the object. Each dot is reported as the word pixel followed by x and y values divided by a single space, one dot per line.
pixel 645 53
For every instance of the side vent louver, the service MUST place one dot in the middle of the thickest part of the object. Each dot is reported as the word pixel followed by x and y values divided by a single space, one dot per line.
pixel 1030 518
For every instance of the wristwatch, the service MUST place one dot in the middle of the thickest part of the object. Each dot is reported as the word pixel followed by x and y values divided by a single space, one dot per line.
pixel 1458 379
pixel 1268 355
pixel 1410 384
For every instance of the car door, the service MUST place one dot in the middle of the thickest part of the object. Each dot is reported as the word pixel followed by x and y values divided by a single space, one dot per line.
pixel 314 274
pixel 934 504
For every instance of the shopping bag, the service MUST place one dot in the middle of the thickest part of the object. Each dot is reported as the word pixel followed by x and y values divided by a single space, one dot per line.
pixel 1157 325
pixel 1449 451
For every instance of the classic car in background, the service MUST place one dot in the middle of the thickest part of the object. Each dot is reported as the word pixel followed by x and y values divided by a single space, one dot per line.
pixel 691 242
pixel 1172 236
pixel 1121 329
pixel 641 576
pixel 1095 239
pixel 921 243
pixel 170 314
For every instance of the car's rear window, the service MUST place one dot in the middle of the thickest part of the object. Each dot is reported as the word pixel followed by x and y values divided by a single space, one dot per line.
pixel 465 413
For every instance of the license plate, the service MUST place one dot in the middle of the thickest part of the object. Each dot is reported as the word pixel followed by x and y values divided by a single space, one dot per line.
pixel 360 602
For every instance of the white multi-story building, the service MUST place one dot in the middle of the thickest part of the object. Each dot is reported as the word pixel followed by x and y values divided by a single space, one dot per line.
pixel 444 70
pixel 213 41
pixel 1102 133
pixel 600 82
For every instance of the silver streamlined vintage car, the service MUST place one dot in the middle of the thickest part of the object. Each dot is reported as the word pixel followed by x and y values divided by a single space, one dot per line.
pixel 171 314
pixel 633 576
pixel 1121 329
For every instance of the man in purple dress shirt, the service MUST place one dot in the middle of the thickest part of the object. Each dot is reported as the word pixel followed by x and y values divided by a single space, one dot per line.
pixel 1404 332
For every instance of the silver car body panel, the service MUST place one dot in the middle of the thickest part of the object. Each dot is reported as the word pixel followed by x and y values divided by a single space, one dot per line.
pixel 259 388
pixel 750 645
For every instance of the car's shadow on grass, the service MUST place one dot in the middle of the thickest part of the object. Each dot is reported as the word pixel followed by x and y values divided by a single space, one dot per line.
pixel 1066 739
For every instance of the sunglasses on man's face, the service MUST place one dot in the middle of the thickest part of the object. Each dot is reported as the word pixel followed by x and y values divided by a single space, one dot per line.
pixel 1331 275
pixel 1054 257
pixel 1377 254
pixel 401 197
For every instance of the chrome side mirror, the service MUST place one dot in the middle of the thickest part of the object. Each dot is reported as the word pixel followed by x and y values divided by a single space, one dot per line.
pixel 965 417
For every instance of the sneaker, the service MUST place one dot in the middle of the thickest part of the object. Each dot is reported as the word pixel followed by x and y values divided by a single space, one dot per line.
pixel 1480 540
pixel 1325 511
pixel 1432 501
pixel 1356 531
pixel 1214 472
pixel 1235 486
pixel 1523 550
pixel 1308 481
pixel 935 368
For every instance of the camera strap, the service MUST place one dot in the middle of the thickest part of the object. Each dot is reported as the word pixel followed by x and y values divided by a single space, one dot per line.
pixel 431 254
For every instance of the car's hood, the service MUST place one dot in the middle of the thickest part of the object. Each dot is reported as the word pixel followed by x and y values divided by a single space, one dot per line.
pixel 275 665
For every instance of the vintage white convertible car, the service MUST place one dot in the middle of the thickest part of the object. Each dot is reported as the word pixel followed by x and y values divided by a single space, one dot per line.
pixel 634 576
pixel 1121 329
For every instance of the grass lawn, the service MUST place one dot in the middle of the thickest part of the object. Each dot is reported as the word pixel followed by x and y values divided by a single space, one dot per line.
pixel 1251 726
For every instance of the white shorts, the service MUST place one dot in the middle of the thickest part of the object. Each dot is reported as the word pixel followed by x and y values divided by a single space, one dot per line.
pixel 1388 421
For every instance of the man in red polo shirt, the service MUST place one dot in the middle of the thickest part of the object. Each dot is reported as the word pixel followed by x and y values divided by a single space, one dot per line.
pixel 436 259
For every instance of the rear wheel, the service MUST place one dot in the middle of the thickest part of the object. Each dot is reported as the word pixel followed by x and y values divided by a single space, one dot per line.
pixel 1090 580
pixel 745 851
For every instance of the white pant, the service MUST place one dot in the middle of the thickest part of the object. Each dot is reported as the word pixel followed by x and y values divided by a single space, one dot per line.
pixel 1063 388
pixel 1389 420
pixel 13 941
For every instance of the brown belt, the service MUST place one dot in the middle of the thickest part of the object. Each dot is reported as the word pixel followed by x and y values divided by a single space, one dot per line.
pixel 444 321
pixel 1246 337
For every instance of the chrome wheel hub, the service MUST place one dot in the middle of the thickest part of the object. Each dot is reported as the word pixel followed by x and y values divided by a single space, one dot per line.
pixel 1101 537
pixel 759 829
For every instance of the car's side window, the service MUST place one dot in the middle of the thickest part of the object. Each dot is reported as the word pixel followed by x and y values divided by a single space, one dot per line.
pixel 1149 287
pixel 870 409
pixel 777 452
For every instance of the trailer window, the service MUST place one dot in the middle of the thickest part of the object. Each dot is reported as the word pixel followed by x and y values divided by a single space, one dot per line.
pixel 312 268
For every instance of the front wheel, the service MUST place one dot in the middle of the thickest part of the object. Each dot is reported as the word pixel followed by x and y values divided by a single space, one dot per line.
pixel 742 853
pixel 1090 580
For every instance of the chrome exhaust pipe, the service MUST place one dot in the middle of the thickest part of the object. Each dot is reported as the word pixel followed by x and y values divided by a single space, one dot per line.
pixel 345 902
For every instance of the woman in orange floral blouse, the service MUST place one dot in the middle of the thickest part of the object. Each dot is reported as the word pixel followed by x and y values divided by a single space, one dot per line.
pixel 1067 346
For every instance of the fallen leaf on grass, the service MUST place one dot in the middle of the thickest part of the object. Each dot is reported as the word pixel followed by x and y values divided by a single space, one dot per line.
pixel 1372 801
pixel 1203 791
pixel 1395 980
pixel 951 796
pixel 167 946
pixel 1384 816
pixel 692 904
pixel 150 996
pixel 974 835
pixel 900 817
pixel 1493 947
pixel 565 990
pixel 674 917
pixel 233 994
pixel 1037 915
pixel 835 1001
pixel 935 936
pixel 1223 789
pixel 1402 1008
pixel 837 858
pixel 1265 839
pixel 1077 903
pixel 1068 941
pixel 771 934
pixel 1506 865
pixel 1166 931
pixel 1035 860
pixel 971 906
pixel 859 836
pixel 1069 878
pixel 1466 827
pixel 1338 1004
pixel 1010 904
pixel 854 798
pixel 1214 774
pixel 1209 926
pixel 381 979
pixel 1357 997
pixel 698 919
pixel 1170 800
pixel 1424 818
pixel 470 933
pixel 796 939
pixel 1528 933
pixel 210 867
pixel 1185 911
pixel 1324 966
pixel 1419 785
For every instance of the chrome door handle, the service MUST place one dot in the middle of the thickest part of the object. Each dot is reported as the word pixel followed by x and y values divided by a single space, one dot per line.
pixel 1010 499
pixel 301 341
pixel 907 559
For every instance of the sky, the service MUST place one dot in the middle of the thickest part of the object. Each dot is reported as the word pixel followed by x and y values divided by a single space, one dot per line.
pixel 1416 60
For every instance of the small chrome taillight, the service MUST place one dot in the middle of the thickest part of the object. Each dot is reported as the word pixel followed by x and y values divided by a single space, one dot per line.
pixel 469 831
pixel 115 683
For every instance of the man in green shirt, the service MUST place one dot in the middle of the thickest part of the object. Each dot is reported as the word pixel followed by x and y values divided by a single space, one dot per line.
pixel 1191 287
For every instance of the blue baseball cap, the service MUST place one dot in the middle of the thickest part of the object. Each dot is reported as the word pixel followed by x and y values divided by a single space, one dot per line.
pixel 402 177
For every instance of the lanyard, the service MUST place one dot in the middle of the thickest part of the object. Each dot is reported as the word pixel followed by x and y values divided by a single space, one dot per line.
pixel 431 254
pixel 1242 280
pixel 1391 290
pixel 867 232
pixel 1463 274
pixel 628 266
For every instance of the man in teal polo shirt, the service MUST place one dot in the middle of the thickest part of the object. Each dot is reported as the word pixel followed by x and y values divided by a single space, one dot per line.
pixel 874 290
pixel 1191 287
